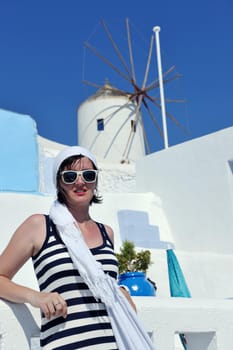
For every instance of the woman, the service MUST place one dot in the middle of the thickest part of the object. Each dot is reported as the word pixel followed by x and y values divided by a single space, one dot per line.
pixel 71 317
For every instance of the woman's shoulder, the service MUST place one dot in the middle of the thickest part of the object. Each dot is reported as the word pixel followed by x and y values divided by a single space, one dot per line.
pixel 35 220
pixel 32 226
pixel 110 232
pixel 36 217
pixel 35 228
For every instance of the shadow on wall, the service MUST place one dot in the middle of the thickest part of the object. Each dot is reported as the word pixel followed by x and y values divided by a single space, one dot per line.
pixel 134 226
pixel 26 320
pixel 230 162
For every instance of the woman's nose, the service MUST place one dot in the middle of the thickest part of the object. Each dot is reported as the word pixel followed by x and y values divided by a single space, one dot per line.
pixel 79 179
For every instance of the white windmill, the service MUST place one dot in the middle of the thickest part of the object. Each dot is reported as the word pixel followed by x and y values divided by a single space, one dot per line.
pixel 110 122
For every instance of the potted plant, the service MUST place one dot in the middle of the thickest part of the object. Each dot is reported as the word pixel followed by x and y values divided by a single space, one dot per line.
pixel 132 270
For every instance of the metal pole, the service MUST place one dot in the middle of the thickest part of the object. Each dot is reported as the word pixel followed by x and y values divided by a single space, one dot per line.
pixel 156 30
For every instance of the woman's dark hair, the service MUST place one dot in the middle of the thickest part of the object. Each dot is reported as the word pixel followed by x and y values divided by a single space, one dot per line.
pixel 67 163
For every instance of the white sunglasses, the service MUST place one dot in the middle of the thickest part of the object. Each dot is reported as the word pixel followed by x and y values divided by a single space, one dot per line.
pixel 71 176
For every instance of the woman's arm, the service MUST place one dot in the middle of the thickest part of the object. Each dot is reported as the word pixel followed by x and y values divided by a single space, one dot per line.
pixel 25 242
pixel 128 297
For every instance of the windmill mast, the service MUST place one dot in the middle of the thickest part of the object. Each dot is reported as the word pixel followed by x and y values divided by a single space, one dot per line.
pixel 156 30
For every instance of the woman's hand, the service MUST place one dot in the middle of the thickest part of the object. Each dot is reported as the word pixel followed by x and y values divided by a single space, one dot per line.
pixel 128 297
pixel 51 304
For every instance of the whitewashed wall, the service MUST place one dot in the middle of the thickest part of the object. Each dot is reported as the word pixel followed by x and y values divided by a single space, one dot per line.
pixel 194 181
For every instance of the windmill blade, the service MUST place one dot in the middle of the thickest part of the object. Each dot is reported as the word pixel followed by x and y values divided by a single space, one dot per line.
pixel 112 115
pixel 96 52
pixel 155 83
pixel 153 118
pixel 133 133
pixel 146 142
pixel 92 84
pixel 171 117
pixel 130 144
pixel 169 100
pixel 148 63
pixel 107 120
pixel 116 135
pixel 136 118
pixel 116 48
pixel 130 51
pixel 175 121
pixel 169 71
pixel 154 99
pixel 130 138
pixel 126 153
pixel 176 76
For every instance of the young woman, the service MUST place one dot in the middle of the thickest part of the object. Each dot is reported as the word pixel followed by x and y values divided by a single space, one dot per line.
pixel 72 318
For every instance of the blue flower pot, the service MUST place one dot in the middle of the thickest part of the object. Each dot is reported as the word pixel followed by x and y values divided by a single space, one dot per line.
pixel 137 283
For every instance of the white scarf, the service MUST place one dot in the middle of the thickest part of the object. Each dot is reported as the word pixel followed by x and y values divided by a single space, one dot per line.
pixel 127 329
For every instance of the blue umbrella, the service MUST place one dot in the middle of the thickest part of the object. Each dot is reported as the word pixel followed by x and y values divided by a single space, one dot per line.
pixel 177 283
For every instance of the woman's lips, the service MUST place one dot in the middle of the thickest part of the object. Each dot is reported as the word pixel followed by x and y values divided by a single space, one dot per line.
pixel 80 192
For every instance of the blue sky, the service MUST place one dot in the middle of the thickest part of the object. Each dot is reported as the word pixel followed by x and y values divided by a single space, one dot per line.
pixel 43 60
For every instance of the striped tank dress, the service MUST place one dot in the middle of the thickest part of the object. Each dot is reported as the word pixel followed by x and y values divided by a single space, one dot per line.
pixel 87 325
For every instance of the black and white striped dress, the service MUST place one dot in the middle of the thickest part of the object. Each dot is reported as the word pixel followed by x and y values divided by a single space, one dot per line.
pixel 87 325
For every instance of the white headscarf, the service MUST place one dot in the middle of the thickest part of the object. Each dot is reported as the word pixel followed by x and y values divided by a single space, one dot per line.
pixel 69 152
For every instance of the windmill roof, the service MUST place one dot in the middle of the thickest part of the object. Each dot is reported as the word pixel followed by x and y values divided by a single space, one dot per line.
pixel 108 90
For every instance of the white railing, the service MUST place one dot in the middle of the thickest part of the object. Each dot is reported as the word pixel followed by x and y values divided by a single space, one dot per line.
pixel 19 327
pixel 206 323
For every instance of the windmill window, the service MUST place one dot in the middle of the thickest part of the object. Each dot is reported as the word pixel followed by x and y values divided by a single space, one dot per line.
pixel 133 126
pixel 100 124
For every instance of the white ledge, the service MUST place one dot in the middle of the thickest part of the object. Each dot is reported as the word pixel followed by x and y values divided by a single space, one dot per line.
pixel 206 323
